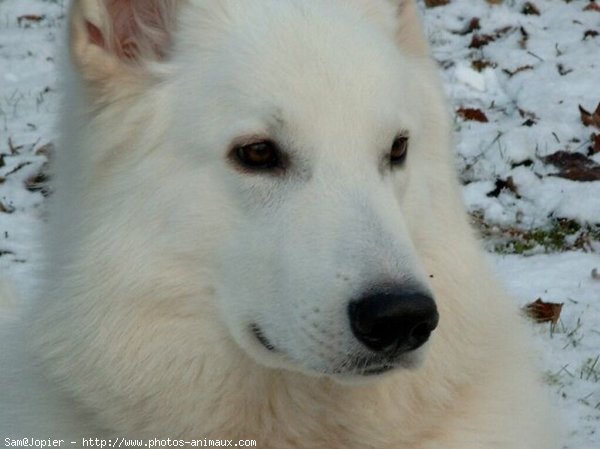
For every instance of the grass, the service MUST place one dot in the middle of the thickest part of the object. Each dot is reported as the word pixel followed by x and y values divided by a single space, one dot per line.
pixel 568 374
pixel 590 370
pixel 559 235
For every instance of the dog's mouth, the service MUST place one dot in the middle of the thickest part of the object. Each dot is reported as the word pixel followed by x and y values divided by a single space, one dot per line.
pixel 359 367
pixel 260 337
pixel 373 371
pixel 373 366
pixel 366 370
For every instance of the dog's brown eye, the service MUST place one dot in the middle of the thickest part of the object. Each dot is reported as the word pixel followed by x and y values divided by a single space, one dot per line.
pixel 399 150
pixel 258 156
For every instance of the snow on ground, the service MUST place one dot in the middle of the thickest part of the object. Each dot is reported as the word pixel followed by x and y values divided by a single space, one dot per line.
pixel 527 74
pixel 28 106
pixel 570 355
pixel 529 81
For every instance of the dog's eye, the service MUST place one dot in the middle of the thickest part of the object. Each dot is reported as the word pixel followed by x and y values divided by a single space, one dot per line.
pixel 399 150
pixel 261 155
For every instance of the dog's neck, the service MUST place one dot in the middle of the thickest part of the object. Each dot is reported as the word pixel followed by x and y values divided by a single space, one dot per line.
pixel 229 396
pixel 281 409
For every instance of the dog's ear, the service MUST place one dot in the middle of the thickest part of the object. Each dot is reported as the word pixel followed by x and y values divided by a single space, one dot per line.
pixel 114 40
pixel 411 37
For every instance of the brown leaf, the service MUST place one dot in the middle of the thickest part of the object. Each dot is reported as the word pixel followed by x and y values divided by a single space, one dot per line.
pixel 544 312
pixel 481 40
pixel 595 274
pixel 582 174
pixel 574 166
pixel 434 3
pixel 590 119
pixel 593 6
pixel 471 114
pixel 30 18
pixel 595 148
pixel 564 160
pixel 530 9
pixel 473 25
pixel 481 64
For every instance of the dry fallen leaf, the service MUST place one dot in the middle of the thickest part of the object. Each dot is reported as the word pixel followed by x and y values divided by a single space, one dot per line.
pixel 544 312
pixel 481 64
pixel 593 6
pixel 574 166
pixel 29 18
pixel 595 148
pixel 595 274
pixel 473 25
pixel 434 3
pixel 590 119
pixel 530 9
pixel 481 40
pixel 471 114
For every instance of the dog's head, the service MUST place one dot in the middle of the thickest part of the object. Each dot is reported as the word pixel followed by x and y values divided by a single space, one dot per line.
pixel 301 129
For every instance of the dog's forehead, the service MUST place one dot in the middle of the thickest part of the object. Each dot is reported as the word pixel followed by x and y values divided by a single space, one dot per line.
pixel 323 54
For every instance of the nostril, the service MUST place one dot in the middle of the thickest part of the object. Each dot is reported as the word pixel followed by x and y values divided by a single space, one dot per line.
pixel 420 334
pixel 421 330
pixel 394 320
pixel 376 334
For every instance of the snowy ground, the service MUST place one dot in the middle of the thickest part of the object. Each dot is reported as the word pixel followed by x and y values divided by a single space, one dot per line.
pixel 527 160
pixel 527 75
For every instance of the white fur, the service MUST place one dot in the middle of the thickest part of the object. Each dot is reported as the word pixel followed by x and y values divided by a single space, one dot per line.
pixel 163 253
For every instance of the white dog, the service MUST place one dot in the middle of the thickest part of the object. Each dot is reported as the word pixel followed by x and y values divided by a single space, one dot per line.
pixel 258 234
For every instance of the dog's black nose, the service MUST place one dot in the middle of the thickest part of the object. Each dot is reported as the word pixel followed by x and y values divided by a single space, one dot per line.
pixel 395 321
